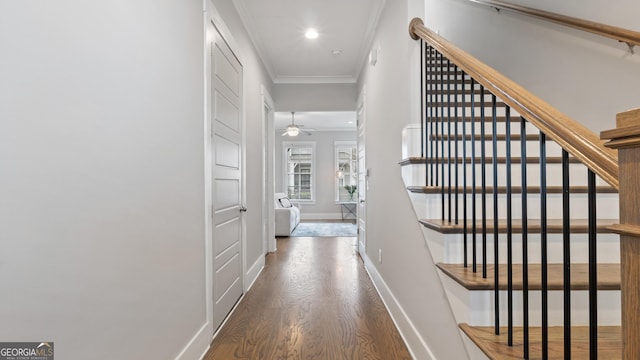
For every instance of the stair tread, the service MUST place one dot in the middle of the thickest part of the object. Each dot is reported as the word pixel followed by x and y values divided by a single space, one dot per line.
pixel 418 160
pixel 461 104
pixel 608 276
pixel 449 81
pixel 554 226
pixel 477 118
pixel 551 189
pixel 495 346
pixel 488 137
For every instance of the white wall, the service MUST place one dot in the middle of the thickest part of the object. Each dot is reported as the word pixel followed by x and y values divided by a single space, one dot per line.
pixel 409 280
pixel 588 77
pixel 102 207
pixel 255 75
pixel 325 206
pixel 315 97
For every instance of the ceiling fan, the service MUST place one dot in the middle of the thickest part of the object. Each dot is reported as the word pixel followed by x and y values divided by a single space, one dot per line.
pixel 295 130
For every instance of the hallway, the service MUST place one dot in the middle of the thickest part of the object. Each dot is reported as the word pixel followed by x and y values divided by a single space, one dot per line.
pixel 313 300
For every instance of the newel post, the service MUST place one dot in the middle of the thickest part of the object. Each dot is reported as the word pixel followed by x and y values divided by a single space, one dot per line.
pixel 626 138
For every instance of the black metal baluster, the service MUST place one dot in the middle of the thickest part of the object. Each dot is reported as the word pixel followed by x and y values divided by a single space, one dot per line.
pixel 434 116
pixel 566 253
pixel 525 240
pixel 543 247
pixel 455 156
pixel 474 227
pixel 434 110
pixel 442 191
pixel 483 166
pixel 496 252
pixel 464 170
pixel 422 99
pixel 509 228
pixel 593 264
pixel 449 160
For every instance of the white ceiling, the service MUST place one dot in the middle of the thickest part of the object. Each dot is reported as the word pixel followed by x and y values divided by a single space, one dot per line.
pixel 319 120
pixel 277 29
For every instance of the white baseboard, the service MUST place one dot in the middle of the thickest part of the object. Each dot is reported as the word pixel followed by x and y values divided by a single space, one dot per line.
pixel 198 346
pixel 416 345
pixel 253 272
pixel 320 216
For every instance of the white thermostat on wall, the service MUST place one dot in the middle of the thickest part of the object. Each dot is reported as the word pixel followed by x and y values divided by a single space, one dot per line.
pixel 373 56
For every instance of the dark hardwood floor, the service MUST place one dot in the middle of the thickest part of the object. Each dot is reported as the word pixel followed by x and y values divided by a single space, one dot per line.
pixel 313 300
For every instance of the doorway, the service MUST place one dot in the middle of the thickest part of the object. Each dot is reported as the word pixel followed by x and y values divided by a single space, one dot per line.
pixel 316 168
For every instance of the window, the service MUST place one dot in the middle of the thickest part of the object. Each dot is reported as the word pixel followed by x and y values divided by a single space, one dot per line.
pixel 346 157
pixel 299 170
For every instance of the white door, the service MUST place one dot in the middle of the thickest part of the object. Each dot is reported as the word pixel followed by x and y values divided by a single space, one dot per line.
pixel 362 179
pixel 226 146
pixel 268 170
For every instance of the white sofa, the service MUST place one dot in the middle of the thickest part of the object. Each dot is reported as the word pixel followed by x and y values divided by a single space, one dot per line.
pixel 287 215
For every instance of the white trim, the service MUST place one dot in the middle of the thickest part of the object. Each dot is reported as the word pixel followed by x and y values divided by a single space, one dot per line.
pixel 345 79
pixel 285 145
pixel 268 167
pixel 212 17
pixel 371 31
pixel 415 343
pixel 248 21
pixel 227 35
pixel 320 216
pixel 363 171
pixel 338 129
pixel 343 143
pixel 194 349
pixel 243 178
pixel 254 272
pixel 208 176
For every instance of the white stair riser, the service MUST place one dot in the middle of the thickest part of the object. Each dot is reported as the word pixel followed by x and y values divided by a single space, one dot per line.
pixel 416 175
pixel 477 307
pixel 429 206
pixel 608 248
pixel 450 248
pixel 412 141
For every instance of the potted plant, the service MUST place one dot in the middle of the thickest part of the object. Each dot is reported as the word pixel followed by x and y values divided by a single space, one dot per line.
pixel 351 189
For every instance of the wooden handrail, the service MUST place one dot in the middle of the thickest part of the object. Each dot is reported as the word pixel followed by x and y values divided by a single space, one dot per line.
pixel 572 136
pixel 629 37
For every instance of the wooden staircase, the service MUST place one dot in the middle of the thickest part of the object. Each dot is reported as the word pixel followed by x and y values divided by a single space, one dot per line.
pixel 616 162
pixel 479 200
pixel 484 337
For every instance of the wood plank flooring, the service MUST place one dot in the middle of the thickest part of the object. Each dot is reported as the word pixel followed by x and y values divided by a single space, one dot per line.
pixel 313 300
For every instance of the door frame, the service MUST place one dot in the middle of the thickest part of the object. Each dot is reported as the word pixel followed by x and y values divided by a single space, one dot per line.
pixel 361 106
pixel 268 172
pixel 211 16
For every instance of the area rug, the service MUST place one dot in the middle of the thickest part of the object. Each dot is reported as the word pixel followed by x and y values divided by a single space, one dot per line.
pixel 324 229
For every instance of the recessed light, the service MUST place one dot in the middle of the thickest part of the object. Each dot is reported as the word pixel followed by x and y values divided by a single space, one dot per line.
pixel 311 34
pixel 336 52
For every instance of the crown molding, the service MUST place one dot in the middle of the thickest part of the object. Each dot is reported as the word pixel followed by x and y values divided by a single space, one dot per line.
pixel 371 31
pixel 344 79
pixel 247 21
